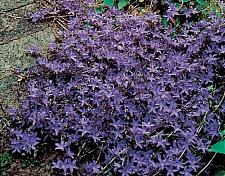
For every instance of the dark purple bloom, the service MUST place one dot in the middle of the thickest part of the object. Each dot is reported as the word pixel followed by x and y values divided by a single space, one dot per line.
pixel 62 145
pixel 92 168
pixel 120 92
pixel 65 165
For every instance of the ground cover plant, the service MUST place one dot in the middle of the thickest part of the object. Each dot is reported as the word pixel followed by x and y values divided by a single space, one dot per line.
pixel 6 160
pixel 173 12
pixel 120 94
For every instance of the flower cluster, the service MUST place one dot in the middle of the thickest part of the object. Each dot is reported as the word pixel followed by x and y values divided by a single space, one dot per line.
pixel 122 95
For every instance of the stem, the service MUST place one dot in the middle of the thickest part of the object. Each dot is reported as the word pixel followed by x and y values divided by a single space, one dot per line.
pixel 221 101
pixel 217 107
pixel 206 165
pixel 107 165
pixel 3 127
pixel 99 153
pixel 87 153
pixel 201 125
pixel 81 149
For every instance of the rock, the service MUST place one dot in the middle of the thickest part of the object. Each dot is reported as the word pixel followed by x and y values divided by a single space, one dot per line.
pixel 16 35
pixel 7 5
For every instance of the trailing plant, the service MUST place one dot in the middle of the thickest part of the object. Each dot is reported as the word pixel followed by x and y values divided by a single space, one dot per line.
pixel 119 94
pixel 173 12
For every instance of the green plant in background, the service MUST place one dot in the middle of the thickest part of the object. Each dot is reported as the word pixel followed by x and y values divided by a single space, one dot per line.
pixel 219 147
pixel 204 7
pixel 121 3
pixel 6 161
pixel 220 173
pixel 100 10
pixel 164 22
pixel 209 7
pixel 108 2
pixel 29 163
pixel 201 2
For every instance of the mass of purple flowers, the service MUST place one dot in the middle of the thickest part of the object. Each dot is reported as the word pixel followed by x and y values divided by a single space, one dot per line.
pixel 122 95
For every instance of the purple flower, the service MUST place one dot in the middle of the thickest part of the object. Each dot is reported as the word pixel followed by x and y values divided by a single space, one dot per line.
pixel 65 165
pixel 171 12
pixel 39 15
pixel 62 145
pixel 123 94
pixel 92 168
pixel 12 113
pixel 69 153
pixel 34 50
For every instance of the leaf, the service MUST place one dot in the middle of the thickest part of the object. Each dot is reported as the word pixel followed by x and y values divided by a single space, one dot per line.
pixel 164 22
pixel 215 8
pixel 201 2
pixel 177 5
pixel 108 2
pixel 185 1
pixel 177 22
pixel 100 10
pixel 219 147
pixel 220 173
pixel 210 88
pixel 218 13
pixel 122 4
pixel 222 133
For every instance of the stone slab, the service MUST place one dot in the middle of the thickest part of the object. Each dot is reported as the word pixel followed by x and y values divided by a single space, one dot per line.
pixel 17 33
pixel 13 55
pixel 16 24
pixel 6 5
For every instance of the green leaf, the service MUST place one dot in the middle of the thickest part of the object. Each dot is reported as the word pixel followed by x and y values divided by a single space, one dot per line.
pixel 219 147
pixel 201 8
pixel 177 22
pixel 177 5
pixel 219 173
pixel 122 4
pixel 108 2
pixel 218 13
pixel 201 2
pixel 210 88
pixel 222 133
pixel 185 1
pixel 213 7
pixel 100 9
pixel 164 22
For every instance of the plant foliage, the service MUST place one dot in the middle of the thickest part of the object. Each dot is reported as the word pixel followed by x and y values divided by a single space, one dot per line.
pixel 219 147
pixel 6 161
pixel 121 94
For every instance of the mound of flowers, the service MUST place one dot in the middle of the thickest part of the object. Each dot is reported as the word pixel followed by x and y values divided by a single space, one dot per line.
pixel 122 95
